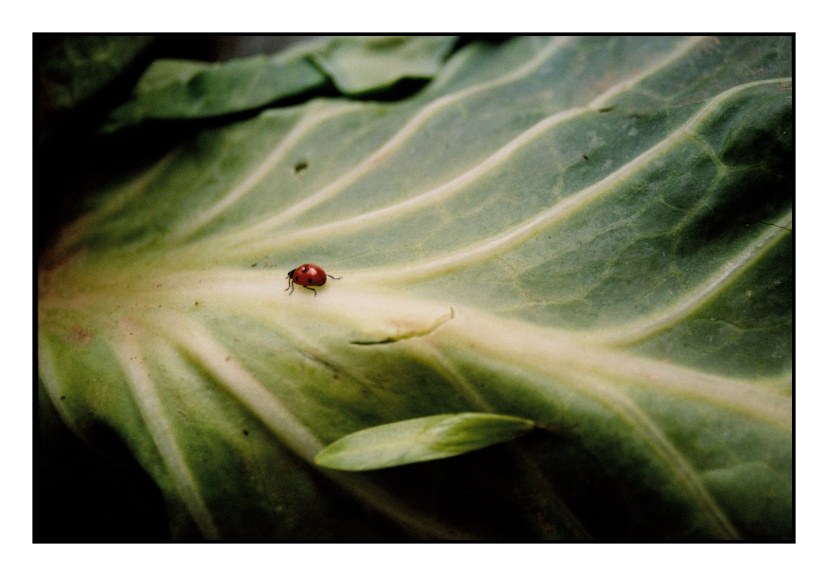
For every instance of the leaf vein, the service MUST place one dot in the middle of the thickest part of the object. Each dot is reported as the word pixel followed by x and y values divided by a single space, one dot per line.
pixel 128 352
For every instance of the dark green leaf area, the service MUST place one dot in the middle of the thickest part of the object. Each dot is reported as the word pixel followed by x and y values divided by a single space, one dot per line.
pixel 246 478
pixel 668 230
pixel 743 466
pixel 71 69
pixel 615 261
pixel 79 494
pixel 747 331
pixel 86 402
pixel 606 474
pixel 755 128
pixel 420 439
pixel 757 496
pixel 640 469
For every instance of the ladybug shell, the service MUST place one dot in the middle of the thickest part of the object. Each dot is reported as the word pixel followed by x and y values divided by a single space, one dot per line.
pixel 308 275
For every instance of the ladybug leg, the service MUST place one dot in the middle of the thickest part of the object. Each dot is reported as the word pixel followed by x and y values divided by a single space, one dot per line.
pixel 290 287
pixel 335 277
pixel 311 289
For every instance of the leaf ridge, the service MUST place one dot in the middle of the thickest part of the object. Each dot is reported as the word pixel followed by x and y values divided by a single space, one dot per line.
pixel 128 352
pixel 235 194
pixel 425 198
pixel 501 243
pixel 444 366
pixel 194 339
pixel 678 52
pixel 589 379
pixel 446 190
pixel 587 376
pixel 728 273
pixel 410 128
pixel 49 376
pixel 547 352
pixel 619 402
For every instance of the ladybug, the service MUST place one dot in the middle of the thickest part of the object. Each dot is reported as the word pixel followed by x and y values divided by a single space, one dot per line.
pixel 308 275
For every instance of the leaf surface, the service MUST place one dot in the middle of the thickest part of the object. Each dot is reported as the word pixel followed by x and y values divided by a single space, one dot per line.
pixel 594 231
pixel 73 69
pixel 185 90
pixel 360 65
pixel 420 440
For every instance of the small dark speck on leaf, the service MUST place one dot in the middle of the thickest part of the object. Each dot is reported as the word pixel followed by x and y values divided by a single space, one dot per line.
pixel 547 526
pixel 254 264
pixel 586 157
pixel 196 302
pixel 63 397
pixel 245 432
pixel 300 167
pixel 607 109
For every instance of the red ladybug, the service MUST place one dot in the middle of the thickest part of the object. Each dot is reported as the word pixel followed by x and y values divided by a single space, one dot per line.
pixel 307 275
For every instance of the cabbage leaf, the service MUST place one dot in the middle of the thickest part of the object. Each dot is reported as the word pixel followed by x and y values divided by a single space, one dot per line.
pixel 587 232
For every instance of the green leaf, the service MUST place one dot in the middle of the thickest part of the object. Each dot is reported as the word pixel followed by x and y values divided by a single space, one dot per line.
pixel 420 439
pixel 72 69
pixel 183 90
pixel 589 230
pixel 366 64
